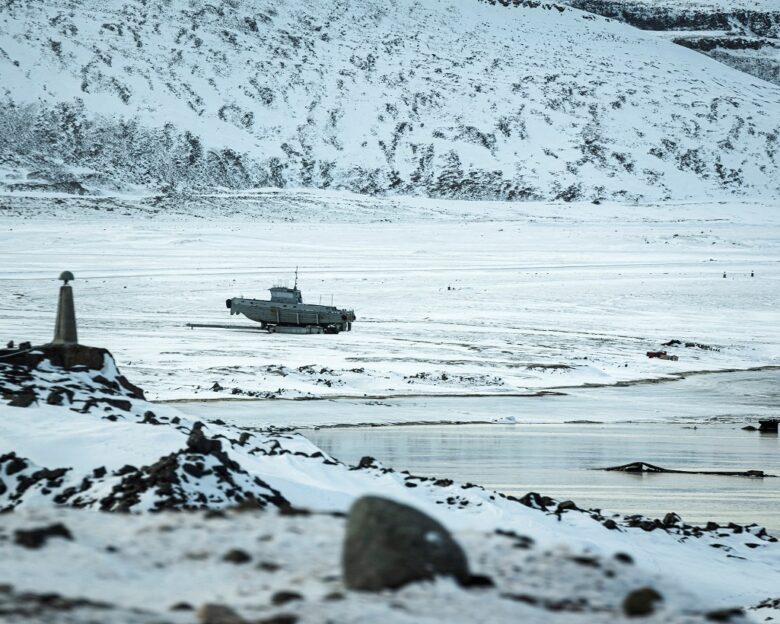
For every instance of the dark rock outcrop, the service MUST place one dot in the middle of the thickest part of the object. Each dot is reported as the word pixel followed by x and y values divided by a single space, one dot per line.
pixel 18 363
pixel 739 31
pixel 762 23
pixel 388 545
pixel 37 537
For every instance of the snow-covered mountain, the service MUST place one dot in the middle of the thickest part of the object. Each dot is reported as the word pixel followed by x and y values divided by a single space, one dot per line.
pixel 454 99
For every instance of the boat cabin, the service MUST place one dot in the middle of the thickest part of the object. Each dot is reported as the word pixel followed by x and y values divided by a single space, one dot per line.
pixel 281 294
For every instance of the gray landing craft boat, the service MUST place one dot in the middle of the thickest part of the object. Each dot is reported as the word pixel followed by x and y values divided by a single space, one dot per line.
pixel 286 312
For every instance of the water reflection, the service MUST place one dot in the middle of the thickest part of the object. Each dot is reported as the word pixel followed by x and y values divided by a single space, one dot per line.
pixel 557 460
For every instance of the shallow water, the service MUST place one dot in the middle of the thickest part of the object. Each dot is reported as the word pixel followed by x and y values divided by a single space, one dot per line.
pixel 547 453
pixel 558 460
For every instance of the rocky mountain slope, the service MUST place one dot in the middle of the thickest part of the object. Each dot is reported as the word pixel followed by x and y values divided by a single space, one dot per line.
pixel 467 99
pixel 744 35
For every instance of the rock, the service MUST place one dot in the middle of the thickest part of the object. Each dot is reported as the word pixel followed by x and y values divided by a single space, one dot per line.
pixel 388 545
pixel 282 618
pixel 182 606
pixel 150 418
pixel 14 465
pixel 749 428
pixel 35 538
pixel 268 566
pixel 216 387
pixel 55 397
pixel 218 614
pixel 475 581
pixel 671 519
pixel 566 505
pixel 284 596
pixel 25 399
pixel 641 602
pixel 126 469
pixel 103 381
pixel 133 390
pixel 365 462
pixel 289 510
pixel 724 615
pixel 334 596
pixel 236 556
pixel 122 404
pixel 197 441
pixel 536 501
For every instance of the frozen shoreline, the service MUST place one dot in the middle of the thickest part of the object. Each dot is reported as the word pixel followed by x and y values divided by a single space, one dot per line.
pixel 717 397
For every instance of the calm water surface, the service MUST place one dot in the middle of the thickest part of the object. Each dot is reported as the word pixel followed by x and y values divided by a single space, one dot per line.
pixel 690 424
pixel 558 460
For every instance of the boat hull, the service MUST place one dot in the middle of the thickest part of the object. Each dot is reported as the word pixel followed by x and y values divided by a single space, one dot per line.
pixel 272 313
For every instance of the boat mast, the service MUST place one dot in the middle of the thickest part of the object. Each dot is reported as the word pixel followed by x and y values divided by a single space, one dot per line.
pixel 296 278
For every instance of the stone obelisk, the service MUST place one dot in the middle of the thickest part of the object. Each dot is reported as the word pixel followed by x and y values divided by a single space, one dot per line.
pixel 65 325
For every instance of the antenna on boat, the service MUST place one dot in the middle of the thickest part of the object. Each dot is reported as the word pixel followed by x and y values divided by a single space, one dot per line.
pixel 296 278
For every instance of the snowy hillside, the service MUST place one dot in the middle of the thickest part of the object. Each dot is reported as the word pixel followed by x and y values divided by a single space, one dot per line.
pixel 463 99
pixel 82 439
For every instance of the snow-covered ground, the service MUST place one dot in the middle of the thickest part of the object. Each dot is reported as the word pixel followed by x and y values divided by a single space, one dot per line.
pixel 139 567
pixel 551 561
pixel 452 298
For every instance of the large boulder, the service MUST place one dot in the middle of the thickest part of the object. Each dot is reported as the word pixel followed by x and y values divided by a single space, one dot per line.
pixel 218 614
pixel 641 602
pixel 388 545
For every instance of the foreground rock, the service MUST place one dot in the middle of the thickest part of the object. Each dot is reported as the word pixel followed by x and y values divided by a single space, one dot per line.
pixel 218 614
pixel 388 545
pixel 641 602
